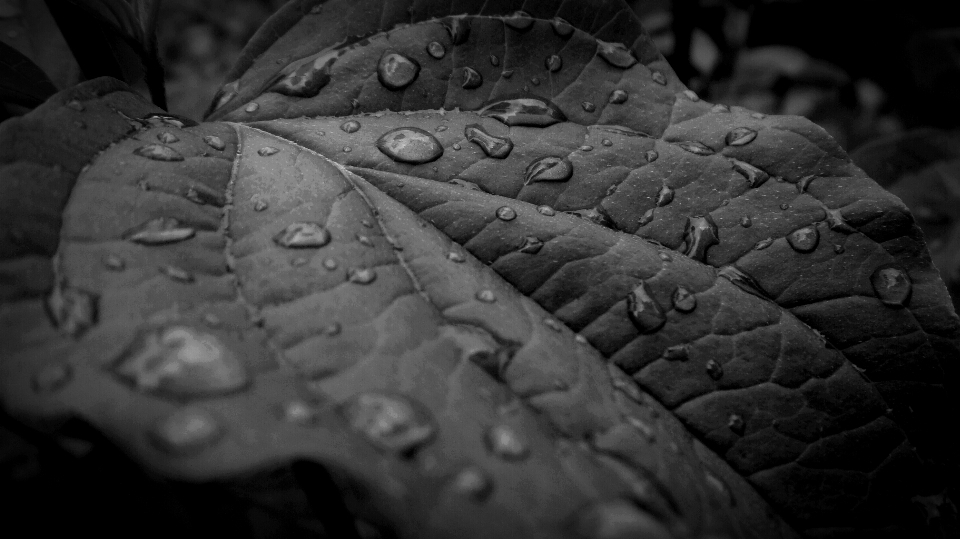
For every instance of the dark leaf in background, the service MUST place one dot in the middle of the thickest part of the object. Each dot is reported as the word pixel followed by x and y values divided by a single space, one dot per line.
pixel 21 81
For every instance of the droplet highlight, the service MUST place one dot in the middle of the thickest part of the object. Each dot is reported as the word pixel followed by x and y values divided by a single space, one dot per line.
pixel 892 285
pixel 804 240
pixel 396 71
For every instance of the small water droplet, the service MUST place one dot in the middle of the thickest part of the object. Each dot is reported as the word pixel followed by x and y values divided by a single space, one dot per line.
pixel 396 71
pixel 473 483
pixel 580 339
pixel 75 105
pixel 458 28
pixel 553 324
pixel 736 424
pixel 114 262
pixel 784 206
pixel 410 145
pixel 252 107
pixel 225 94
pixel 804 240
pixel 684 300
pixel 699 235
pixel 364 240
pixel 332 329
pixel 158 152
pixel 507 73
pixel 524 111
pixel 535 81
pixel 836 221
pixel 665 196
pixel 754 176
pixel 616 54
pixel 159 231
pixel 606 142
pixel 519 20
pixel 267 151
pixel 658 78
pixel 167 138
pixel 347 149
pixel 691 95
pixel 486 296
pixel 714 369
pixel 177 273
pixel 465 184
pixel 758 115
pixel 455 256
pixel 804 183
pixel 350 126
pixel 506 443
pixel 763 244
pixel 494 60
pixel 742 280
pixel 561 27
pixel 720 108
pixel 746 221
pixel 303 235
pixel 260 205
pixel 361 275
pixel 299 412
pixel 892 285
pixel 618 97
pixel 695 147
pixel 677 352
pixel 839 249
pixel 436 50
pixel 740 136
pixel 646 218
pixel 496 147
pixel 471 78
pixel 214 142
pixel 393 423
pixel 546 210
pixel 330 264
pixel 186 431
pixel 588 106
pixel 531 245
pixel 548 169
pixel 586 148
pixel 644 311
pixel 456 146
pixel 553 63
pixel 652 156
pixel 665 256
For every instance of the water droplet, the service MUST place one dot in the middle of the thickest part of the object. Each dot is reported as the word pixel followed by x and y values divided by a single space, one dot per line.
pixel 506 213
pixel 652 156
pixel 158 152
pixel 839 249
pixel 330 264
pixel 332 329
pixel 695 147
pixel 496 147
pixel 524 111
pixel 458 28
pixel 754 176
pixel 364 240
pixel 531 245
pixel 546 210
pixel 665 256
pixel 260 205
pixel 306 77
pixel 114 262
pixel 588 106
pixel 507 73
pixel 553 63
pixel 804 240
pixel 494 60
pixel 618 519
pixel 456 146
pixel 804 183
pixel 393 423
pixel 167 138
pixel 644 311
pixel 157 119
pixel 763 244
pixel 714 369
pixel 596 215
pixel 267 151
pixel 486 296
pixel 699 235
pixel 892 285
pixel 361 275
pixel 75 105
pixel 746 221
pixel 616 54
pixel 665 196
pixel 186 431
pixel 836 222
pixel 252 107
pixel 736 424
pixel 177 273
pixel 720 108
pixel 548 169
pixel 580 339
pixel 159 231
pixel 740 136
pixel 586 148
pixel 684 300
pixel 535 81
pixel 519 20
pixel 183 361
pixel 303 235
pixel 561 27
pixel 436 50
pixel 758 115
pixel 646 218
pixel 225 94
pixel 506 443
pixel 350 126
pixel 618 97
pixel 742 280
pixel 214 142
pixel 691 95
pixel 465 184
pixel 455 256
pixel 410 145
pixel 553 324
pixel 471 78
pixel 396 71
pixel 473 483
pixel 299 412
pixel 784 206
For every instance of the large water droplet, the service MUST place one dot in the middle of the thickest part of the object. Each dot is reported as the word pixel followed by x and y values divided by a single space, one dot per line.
pixel 619 519
pixel 458 28
pixel 684 300
pixel 393 423
pixel 186 431
pixel 892 285
pixel 473 483
pixel 740 136
pixel 548 169
pixel 546 210
pixel 159 231
pixel 531 245
pixel 736 424
pixel 714 369
pixel 267 151
pixel 699 235
pixel 361 275
pixel 303 235
pixel 214 142
pixel 524 111
pixel 305 78
pixel 561 27
pixel 410 145
pixel 73 310
pixel 742 280
pixel 471 78
pixel 644 311
pixel 754 176
pixel 804 240
pixel 553 63
pixel 506 213
pixel 350 126
pixel 836 221
pixel 496 147
pixel 695 147
pixel 182 361
pixel 396 71
pixel 158 152
pixel 618 97
pixel 616 54
pixel 504 442
pixel 519 20
pixel 665 196
pixel 436 50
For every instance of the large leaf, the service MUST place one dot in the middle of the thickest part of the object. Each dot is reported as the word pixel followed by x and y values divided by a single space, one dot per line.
pixel 403 283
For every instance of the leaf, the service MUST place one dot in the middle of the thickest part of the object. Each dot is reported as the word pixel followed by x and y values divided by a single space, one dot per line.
pixel 21 81
pixel 392 296
pixel 29 28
